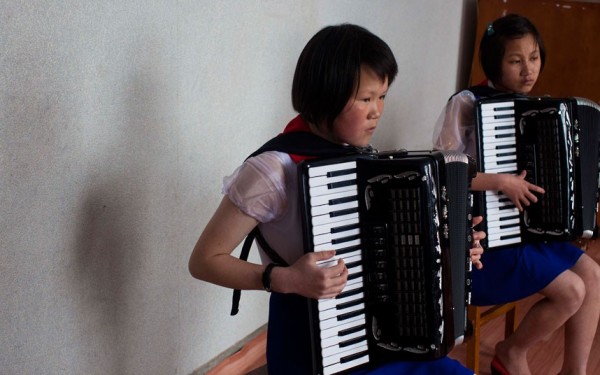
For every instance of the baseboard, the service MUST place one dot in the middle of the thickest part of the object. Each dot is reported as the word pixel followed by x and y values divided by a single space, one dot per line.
pixel 245 356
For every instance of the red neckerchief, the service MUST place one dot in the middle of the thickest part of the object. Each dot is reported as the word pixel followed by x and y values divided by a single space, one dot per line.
pixel 298 125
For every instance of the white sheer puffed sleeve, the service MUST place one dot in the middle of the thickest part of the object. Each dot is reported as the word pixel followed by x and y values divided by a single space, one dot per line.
pixel 258 186
pixel 455 128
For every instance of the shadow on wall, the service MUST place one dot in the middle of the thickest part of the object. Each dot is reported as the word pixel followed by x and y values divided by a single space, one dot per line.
pixel 123 270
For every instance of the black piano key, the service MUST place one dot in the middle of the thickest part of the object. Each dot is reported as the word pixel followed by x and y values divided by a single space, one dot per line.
pixel 344 228
pixel 349 331
pixel 341 172
pixel 501 147
pixel 353 341
pixel 350 315
pixel 507 154
pixel 346 305
pixel 349 293
pixel 353 264
pixel 343 212
pixel 340 184
pixel 348 249
pixel 333 202
pixel 510 236
pixel 354 357
pixel 344 239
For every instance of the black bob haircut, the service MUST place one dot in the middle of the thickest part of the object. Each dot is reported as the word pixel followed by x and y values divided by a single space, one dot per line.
pixel 328 70
pixel 497 33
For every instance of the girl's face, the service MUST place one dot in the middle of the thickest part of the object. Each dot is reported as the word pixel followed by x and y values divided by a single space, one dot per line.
pixel 356 123
pixel 520 66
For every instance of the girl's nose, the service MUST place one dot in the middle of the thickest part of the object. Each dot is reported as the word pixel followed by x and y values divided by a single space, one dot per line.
pixel 375 111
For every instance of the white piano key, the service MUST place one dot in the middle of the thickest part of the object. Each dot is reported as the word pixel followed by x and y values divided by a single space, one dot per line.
pixel 510 241
pixel 495 139
pixel 337 246
pixel 328 318
pixel 346 324
pixel 324 180
pixel 327 219
pixel 490 123
pixel 327 303
pixel 501 211
pixel 335 349
pixel 499 223
pixel 324 169
pixel 500 143
pixel 331 344
pixel 334 366
pixel 326 208
pixel 334 357
pixel 502 154
pixel 495 106
pixel 324 189
pixel 324 199
pixel 327 227
pixel 499 132
pixel 349 255
pixel 497 235
pixel 499 162
pixel 327 238
pixel 497 203
pixel 333 261
pixel 505 168
pixel 331 303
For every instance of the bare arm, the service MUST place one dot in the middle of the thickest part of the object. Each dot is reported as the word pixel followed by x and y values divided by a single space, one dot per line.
pixel 211 260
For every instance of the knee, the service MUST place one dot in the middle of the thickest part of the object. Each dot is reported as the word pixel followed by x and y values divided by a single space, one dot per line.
pixel 592 278
pixel 578 290
pixel 571 295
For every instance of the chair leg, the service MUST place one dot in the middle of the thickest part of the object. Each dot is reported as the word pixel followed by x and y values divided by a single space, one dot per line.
pixel 511 321
pixel 474 317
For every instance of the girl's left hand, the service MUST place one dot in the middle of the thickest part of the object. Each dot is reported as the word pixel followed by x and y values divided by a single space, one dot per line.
pixel 477 250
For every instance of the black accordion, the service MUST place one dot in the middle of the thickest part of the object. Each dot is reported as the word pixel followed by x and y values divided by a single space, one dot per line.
pixel 556 141
pixel 401 222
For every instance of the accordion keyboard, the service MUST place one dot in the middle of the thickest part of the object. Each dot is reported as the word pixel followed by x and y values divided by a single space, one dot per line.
pixel 500 156
pixel 335 225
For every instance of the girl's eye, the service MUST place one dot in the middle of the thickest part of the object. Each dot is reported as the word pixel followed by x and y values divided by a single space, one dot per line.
pixel 382 97
pixel 366 100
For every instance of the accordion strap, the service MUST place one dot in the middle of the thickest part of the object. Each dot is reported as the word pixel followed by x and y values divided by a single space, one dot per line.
pixel 254 235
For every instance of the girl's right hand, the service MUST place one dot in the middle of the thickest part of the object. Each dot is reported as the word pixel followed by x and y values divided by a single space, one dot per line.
pixel 309 279
pixel 520 191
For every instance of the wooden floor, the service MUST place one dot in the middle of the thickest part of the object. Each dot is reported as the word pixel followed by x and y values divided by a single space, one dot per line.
pixel 544 358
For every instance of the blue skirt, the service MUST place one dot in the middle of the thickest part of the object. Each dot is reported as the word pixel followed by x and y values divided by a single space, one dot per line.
pixel 288 345
pixel 514 273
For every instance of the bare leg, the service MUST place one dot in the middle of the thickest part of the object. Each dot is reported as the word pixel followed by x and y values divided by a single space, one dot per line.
pixel 563 297
pixel 580 329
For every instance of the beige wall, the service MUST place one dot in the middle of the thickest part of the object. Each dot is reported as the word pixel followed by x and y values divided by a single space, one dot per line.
pixel 119 120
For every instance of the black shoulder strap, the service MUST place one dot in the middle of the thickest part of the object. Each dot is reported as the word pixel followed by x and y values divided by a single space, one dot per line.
pixel 254 234
pixel 307 144
pixel 299 143
pixel 482 91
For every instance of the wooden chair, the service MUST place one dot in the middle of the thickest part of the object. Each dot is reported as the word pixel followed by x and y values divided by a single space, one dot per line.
pixel 478 316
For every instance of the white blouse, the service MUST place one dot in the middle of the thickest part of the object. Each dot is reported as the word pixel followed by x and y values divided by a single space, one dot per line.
pixel 260 187
pixel 455 128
